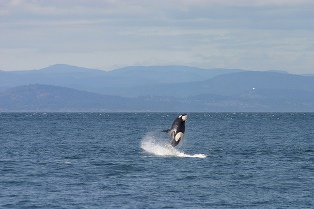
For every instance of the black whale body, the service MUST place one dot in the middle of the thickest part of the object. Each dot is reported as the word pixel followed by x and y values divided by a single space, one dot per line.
pixel 177 130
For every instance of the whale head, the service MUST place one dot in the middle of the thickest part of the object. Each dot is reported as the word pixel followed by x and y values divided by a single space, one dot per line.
pixel 184 117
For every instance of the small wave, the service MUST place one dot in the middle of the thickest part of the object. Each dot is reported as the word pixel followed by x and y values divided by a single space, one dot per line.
pixel 150 145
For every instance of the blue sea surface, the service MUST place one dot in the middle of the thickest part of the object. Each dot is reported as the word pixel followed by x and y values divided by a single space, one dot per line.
pixel 120 160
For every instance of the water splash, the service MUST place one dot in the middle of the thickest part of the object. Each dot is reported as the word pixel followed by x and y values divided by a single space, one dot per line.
pixel 151 145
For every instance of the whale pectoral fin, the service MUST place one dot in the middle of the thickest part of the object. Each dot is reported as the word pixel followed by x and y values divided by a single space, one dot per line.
pixel 167 131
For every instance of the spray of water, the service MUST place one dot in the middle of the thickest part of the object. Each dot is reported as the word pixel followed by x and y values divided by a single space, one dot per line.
pixel 154 146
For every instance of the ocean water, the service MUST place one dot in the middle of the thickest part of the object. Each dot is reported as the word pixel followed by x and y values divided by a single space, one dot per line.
pixel 121 160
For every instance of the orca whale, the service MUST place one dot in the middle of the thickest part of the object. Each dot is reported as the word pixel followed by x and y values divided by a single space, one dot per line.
pixel 177 130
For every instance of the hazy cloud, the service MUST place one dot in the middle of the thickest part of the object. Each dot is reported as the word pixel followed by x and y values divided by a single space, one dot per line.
pixel 255 35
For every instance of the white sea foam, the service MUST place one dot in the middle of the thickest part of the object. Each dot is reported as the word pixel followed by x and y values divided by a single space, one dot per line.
pixel 151 145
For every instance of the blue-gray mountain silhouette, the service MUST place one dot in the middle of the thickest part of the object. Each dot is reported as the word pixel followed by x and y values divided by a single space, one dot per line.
pixel 156 88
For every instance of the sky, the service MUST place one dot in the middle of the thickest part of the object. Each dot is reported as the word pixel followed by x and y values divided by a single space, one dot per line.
pixel 108 34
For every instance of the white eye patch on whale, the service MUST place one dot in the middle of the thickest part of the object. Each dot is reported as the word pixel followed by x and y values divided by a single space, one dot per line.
pixel 176 132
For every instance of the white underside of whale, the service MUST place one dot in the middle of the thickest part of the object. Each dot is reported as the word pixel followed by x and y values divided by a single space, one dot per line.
pixel 178 136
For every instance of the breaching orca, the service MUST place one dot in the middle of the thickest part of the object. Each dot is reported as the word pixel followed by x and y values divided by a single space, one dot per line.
pixel 177 130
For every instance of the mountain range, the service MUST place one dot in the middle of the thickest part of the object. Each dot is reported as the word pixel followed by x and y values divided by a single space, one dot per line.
pixel 154 88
